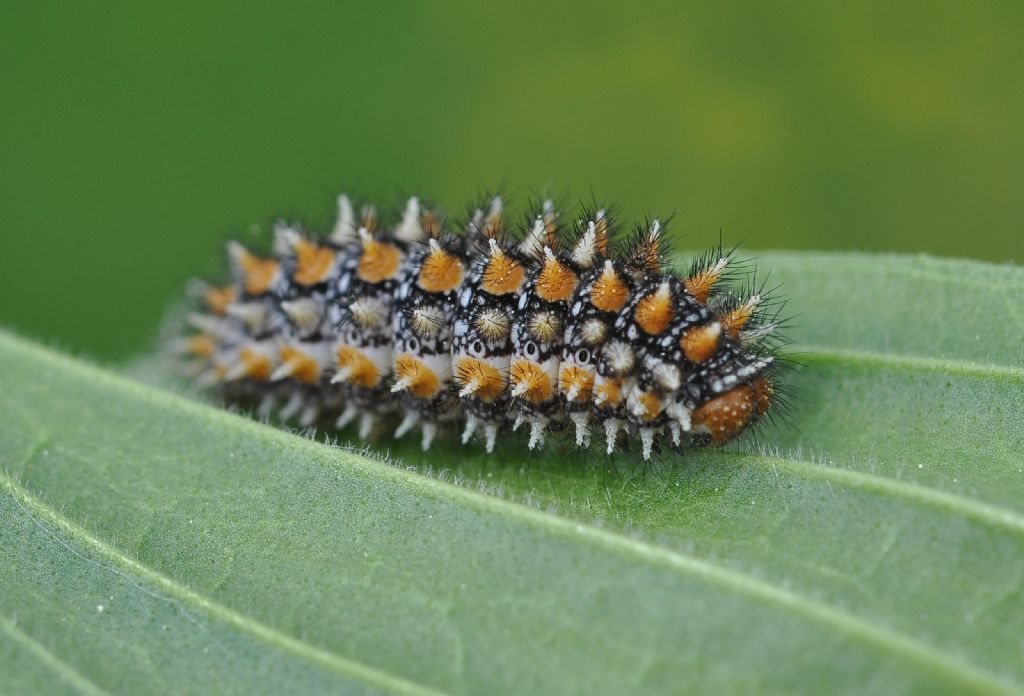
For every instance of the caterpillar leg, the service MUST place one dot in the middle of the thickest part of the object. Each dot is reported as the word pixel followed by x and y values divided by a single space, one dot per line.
pixel 293 406
pixel 676 432
pixel 407 424
pixel 346 417
pixel 267 405
pixel 647 440
pixel 582 430
pixel 611 431
pixel 490 436
pixel 537 426
pixel 366 423
pixel 309 415
pixel 471 424
pixel 429 431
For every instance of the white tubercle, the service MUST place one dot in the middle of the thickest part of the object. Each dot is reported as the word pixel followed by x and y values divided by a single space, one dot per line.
pixel 236 252
pixel 470 388
pixel 211 325
pixel 520 388
pixel 409 229
pixel 282 371
pixel 252 313
pixel 586 249
pixel 305 312
pixel 754 335
pixel 286 237
pixel 345 228
pixel 402 385
pixel 341 375
pixel 533 244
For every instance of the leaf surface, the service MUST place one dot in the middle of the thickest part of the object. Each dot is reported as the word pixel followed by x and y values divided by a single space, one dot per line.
pixel 877 544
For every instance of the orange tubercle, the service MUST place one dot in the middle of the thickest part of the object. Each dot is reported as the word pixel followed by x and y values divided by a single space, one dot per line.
pixel 556 281
pixel 362 372
pixel 503 274
pixel 304 368
pixel 575 377
pixel 313 263
pixel 725 416
pixel 422 382
pixel 764 392
pixel 441 271
pixel 648 251
pixel 489 381
pixel 257 365
pixel 259 273
pixel 609 293
pixel 534 378
pixel 701 284
pixel 378 262
pixel 218 299
pixel 201 345
pixel 654 312
pixel 701 342
pixel 734 321
pixel 610 391
pixel 651 405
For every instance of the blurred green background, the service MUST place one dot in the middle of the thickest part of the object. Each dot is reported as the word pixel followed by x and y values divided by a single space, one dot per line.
pixel 135 137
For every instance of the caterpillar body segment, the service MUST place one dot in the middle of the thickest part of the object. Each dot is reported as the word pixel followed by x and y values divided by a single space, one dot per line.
pixel 425 311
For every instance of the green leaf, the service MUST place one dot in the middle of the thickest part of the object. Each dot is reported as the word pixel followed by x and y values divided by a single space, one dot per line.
pixel 876 545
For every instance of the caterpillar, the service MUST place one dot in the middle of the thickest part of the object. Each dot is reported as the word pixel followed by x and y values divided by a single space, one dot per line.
pixel 556 329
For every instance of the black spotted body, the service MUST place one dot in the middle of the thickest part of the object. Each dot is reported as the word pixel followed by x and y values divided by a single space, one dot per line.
pixel 428 328
pixel 425 313
pixel 482 337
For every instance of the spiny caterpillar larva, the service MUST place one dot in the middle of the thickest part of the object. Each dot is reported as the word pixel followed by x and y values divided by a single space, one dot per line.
pixel 553 330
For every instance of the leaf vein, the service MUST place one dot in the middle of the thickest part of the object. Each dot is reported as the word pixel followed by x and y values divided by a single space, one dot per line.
pixel 266 633
pixel 51 660
pixel 984 512
pixel 952 667
pixel 965 368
